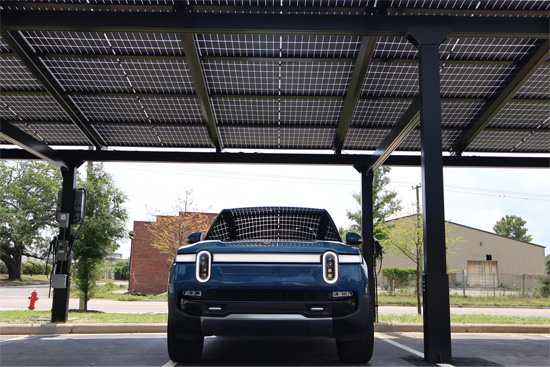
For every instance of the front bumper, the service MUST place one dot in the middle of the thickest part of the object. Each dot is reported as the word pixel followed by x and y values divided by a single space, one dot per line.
pixel 256 318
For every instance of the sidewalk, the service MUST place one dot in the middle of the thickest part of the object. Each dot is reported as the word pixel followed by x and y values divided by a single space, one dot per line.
pixel 49 328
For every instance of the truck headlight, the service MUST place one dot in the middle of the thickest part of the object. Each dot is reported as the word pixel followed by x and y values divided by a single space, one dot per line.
pixel 330 267
pixel 203 266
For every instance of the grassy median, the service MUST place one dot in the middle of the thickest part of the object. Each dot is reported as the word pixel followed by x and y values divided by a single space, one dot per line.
pixel 36 317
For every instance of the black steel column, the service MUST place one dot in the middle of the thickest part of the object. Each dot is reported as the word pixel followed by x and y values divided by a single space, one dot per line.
pixel 367 227
pixel 435 281
pixel 60 302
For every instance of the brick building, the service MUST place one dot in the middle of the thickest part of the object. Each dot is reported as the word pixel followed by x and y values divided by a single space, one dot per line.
pixel 149 265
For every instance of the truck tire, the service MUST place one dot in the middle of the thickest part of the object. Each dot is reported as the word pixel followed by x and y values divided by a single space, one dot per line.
pixel 358 350
pixel 182 350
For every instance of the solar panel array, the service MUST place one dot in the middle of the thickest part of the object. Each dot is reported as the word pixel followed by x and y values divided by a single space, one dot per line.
pixel 268 91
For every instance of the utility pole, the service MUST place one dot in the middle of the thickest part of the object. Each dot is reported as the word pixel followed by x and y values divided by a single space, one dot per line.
pixel 417 245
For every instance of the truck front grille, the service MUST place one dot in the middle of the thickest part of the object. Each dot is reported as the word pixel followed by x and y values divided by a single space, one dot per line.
pixel 265 295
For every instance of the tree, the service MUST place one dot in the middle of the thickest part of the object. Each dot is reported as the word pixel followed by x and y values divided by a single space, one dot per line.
pixel 385 204
pixel 406 238
pixel 121 269
pixel 170 232
pixel 28 196
pixel 104 224
pixel 513 227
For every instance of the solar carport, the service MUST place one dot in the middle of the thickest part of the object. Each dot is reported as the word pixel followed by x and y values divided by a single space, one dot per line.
pixel 348 82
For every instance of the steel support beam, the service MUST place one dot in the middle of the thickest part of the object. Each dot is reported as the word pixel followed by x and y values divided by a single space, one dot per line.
pixel 314 24
pixel 435 282
pixel 30 144
pixel 399 133
pixel 524 70
pixel 354 91
pixel 367 228
pixel 60 302
pixel 79 156
pixel 25 53
pixel 202 91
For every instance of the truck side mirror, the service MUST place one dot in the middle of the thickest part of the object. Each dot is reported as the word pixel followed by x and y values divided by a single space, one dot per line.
pixel 354 239
pixel 194 238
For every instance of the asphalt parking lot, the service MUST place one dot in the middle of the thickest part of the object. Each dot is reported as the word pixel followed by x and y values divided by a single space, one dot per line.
pixel 391 349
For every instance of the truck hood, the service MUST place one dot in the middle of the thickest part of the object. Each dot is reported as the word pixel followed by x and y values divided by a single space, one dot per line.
pixel 309 247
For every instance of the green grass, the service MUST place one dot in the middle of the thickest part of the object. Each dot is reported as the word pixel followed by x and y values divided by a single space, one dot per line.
pixel 456 300
pixel 25 280
pixel 469 319
pixel 30 317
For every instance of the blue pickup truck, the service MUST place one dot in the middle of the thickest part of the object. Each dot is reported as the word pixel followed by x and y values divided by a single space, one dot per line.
pixel 270 271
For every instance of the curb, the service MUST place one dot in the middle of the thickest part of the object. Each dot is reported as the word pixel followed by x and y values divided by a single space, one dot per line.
pixel 49 328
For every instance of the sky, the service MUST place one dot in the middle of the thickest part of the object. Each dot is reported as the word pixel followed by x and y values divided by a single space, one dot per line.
pixel 475 197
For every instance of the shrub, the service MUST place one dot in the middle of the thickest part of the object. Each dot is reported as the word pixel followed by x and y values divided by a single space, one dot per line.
pixel 544 288
pixel 3 268
pixel 400 277
pixel 121 269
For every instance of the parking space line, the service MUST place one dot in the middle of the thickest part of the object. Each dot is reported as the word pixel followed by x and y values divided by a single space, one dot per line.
pixel 386 338
pixel 170 364
pixel 13 340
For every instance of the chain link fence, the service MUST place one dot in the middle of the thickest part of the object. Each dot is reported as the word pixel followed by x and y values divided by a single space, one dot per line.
pixel 493 283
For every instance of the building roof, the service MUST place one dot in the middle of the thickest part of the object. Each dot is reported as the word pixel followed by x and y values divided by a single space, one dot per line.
pixel 473 228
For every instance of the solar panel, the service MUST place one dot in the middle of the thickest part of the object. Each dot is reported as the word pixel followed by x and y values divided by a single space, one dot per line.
pixel 311 111
pixel 511 141
pixel 316 78
pixel 473 80
pixel 379 112
pixel 522 114
pixel 14 75
pixel 246 110
pixel 365 139
pixel 139 108
pixel 270 89
pixel 391 79
pixel 459 113
pixel 241 77
pixel 147 135
pixel 38 107
pixel 51 133
pixel 105 43
pixel 538 85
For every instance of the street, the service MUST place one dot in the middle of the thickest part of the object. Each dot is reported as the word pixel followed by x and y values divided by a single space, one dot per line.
pixel 16 298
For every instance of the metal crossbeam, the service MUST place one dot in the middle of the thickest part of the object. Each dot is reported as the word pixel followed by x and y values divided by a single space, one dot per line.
pixel 32 62
pixel 30 144
pixel 524 70
pixel 362 63
pixel 202 91
pixel 275 158
pixel 363 25
pixel 399 133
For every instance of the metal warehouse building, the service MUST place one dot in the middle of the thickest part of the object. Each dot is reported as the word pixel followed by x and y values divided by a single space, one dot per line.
pixel 487 258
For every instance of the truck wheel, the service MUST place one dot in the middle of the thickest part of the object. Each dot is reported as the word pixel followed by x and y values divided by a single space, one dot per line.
pixel 182 350
pixel 358 350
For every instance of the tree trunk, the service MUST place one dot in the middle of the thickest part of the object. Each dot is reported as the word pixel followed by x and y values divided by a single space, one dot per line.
pixel 13 263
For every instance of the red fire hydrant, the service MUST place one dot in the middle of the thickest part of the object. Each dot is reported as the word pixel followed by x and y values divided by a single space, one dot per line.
pixel 33 298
